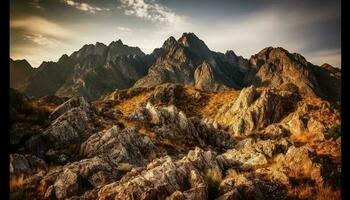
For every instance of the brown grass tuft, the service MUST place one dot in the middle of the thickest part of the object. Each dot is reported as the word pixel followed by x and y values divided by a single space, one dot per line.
pixel 16 182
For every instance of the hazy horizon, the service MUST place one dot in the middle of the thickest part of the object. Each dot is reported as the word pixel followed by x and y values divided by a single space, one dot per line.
pixel 43 30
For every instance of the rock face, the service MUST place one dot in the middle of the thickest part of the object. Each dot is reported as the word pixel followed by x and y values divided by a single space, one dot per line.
pixel 162 178
pixel 249 153
pixel 252 110
pixel 186 60
pixel 20 71
pixel 170 123
pixel 276 66
pixel 120 146
pixel 73 121
pixel 204 78
pixel 91 72
pixel 25 164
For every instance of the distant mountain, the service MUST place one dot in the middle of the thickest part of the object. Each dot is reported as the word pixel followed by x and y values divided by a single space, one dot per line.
pixel 91 71
pixel 20 71
pixel 276 67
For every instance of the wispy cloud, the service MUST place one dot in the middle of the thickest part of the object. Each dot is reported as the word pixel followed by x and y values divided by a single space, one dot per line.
pixel 331 56
pixel 84 6
pixel 39 25
pixel 150 10
pixel 42 40
pixel 36 4
pixel 125 29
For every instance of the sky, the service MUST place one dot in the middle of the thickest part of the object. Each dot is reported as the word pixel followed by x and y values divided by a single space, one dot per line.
pixel 44 30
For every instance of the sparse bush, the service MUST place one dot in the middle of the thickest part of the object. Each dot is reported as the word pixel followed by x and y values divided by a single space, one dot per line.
pixel 213 178
pixel 334 132
pixel 124 166
pixel 16 182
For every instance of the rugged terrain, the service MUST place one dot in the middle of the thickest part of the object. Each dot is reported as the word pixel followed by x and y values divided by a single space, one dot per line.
pixel 181 123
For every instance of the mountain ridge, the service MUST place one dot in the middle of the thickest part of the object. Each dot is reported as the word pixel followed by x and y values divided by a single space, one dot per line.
pixel 187 60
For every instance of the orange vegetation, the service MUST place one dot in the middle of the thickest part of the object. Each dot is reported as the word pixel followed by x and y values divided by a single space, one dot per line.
pixel 16 182
pixel 216 100
pixel 130 105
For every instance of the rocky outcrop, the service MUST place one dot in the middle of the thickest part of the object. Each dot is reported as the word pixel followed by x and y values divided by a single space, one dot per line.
pixel 302 161
pixel 242 187
pixel 162 178
pixel 252 110
pixel 204 78
pixel 249 153
pixel 120 146
pixel 74 121
pixel 171 123
pixel 77 177
pixel 25 164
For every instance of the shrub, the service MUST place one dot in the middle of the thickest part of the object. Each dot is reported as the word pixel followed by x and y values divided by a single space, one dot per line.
pixel 334 132
pixel 213 178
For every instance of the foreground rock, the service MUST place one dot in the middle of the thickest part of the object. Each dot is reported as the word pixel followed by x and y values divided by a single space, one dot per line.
pixel 173 124
pixel 119 146
pixel 253 110
pixel 160 179
pixel 74 121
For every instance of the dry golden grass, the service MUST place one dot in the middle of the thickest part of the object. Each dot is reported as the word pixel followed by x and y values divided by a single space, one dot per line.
pixel 130 105
pixel 213 178
pixel 16 182
pixel 172 144
pixel 315 192
pixel 124 166
pixel 216 100
pixel 305 138
pixel 146 132
pixel 328 193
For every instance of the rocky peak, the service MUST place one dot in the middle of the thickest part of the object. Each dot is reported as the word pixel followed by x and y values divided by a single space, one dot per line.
pixel 230 53
pixel 276 66
pixel 204 77
pixel 330 68
pixel 89 49
pixel 196 45
pixel 171 41
pixel 116 43
pixel 117 48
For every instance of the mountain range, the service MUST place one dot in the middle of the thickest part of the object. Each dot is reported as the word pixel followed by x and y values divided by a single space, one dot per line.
pixel 95 70
pixel 181 123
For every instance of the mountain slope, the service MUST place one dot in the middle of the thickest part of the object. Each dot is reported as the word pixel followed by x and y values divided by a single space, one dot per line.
pixel 20 71
pixel 276 67
pixel 180 59
pixel 173 141
pixel 91 72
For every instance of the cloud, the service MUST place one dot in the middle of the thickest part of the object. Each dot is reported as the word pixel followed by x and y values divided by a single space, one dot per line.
pixel 42 40
pixel 39 25
pixel 150 10
pixel 36 4
pixel 125 29
pixel 331 56
pixel 84 6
